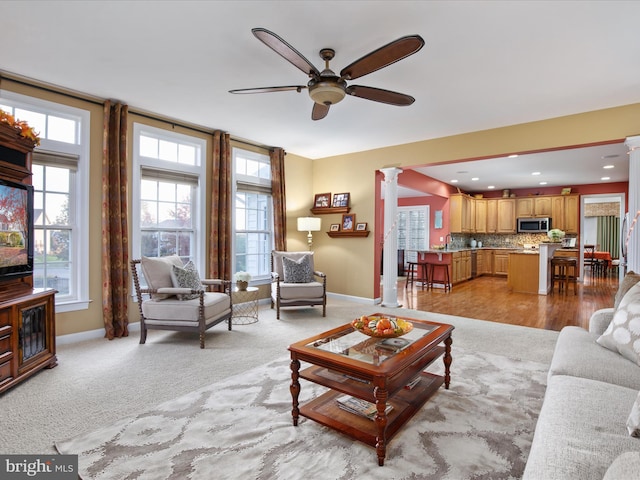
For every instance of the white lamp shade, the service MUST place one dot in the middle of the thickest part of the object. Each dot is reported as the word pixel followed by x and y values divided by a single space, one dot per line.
pixel 309 224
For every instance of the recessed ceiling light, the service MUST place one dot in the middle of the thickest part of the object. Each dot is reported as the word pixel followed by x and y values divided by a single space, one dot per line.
pixel 543 183
pixel 605 178
pixel 608 166
pixel 475 179
pixel 535 173
pixel 454 181
pixel 491 187
pixel 610 156
pixel 462 171
pixel 512 156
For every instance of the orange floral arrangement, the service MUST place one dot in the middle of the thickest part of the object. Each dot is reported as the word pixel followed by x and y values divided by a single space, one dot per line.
pixel 20 126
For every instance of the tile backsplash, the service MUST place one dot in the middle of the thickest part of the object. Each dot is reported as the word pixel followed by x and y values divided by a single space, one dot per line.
pixel 462 240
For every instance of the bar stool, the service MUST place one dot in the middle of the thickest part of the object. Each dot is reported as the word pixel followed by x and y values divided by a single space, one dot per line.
pixel 445 280
pixel 416 272
pixel 564 269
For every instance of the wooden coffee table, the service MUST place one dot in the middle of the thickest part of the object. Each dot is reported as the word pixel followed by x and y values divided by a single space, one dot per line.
pixel 372 369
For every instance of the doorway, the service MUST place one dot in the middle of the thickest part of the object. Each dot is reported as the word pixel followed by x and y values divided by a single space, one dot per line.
pixel 591 232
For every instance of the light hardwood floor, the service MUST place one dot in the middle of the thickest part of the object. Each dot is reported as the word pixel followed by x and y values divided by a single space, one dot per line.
pixel 487 298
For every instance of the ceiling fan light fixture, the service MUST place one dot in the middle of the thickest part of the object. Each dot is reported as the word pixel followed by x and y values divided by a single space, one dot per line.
pixel 326 93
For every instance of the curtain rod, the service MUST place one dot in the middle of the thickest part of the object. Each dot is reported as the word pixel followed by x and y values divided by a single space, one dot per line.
pixel 133 111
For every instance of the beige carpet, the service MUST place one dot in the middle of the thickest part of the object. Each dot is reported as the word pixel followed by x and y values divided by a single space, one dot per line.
pixel 99 382
pixel 241 428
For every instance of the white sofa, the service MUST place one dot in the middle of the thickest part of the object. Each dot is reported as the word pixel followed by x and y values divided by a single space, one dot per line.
pixel 582 429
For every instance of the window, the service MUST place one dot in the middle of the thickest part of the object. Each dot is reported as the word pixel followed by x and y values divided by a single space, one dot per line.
pixel 413 230
pixel 60 180
pixel 253 214
pixel 169 195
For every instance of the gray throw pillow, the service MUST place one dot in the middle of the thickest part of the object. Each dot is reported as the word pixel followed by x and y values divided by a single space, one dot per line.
pixel 297 271
pixel 186 277
pixel 623 333
pixel 629 280
pixel 633 422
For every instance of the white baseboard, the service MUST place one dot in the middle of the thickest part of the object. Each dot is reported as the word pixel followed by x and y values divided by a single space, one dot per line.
pixel 89 335
pixel 367 301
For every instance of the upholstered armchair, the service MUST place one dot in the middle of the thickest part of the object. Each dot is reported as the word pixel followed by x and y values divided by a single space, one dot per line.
pixel 177 299
pixel 294 281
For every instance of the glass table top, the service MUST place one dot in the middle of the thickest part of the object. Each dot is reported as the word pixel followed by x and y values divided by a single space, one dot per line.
pixel 353 344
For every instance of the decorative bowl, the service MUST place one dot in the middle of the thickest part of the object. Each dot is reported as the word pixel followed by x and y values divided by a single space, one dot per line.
pixel 382 327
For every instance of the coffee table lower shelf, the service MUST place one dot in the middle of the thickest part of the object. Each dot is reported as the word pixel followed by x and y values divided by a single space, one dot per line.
pixel 324 410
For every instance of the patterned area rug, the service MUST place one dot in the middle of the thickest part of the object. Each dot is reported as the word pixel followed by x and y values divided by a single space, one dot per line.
pixel 481 428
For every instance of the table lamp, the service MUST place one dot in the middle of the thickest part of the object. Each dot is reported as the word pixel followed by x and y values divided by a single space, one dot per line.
pixel 309 224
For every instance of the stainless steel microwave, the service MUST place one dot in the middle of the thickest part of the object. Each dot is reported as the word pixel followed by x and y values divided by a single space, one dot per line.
pixel 534 225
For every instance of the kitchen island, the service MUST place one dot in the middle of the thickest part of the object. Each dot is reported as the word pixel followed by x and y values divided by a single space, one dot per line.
pixel 524 272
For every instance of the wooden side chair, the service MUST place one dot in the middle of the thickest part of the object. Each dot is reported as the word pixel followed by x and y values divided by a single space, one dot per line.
pixel 177 299
pixel 295 282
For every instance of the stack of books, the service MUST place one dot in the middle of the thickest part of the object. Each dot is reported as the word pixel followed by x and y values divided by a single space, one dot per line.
pixel 360 407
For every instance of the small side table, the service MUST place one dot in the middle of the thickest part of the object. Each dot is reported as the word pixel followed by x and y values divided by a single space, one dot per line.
pixel 245 306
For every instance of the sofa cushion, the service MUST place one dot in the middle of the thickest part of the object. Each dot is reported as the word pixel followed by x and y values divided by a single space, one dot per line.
pixel 623 333
pixel 157 273
pixel 297 271
pixel 580 430
pixel 578 354
pixel 186 277
pixel 633 422
pixel 626 466
pixel 629 280
pixel 172 311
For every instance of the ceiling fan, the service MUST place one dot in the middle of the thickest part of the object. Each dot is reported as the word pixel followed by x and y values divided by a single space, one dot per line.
pixel 325 87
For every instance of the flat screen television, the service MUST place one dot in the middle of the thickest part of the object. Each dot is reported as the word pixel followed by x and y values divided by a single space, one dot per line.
pixel 16 230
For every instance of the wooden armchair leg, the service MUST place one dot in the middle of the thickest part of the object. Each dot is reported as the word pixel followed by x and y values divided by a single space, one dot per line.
pixel 143 332
pixel 201 339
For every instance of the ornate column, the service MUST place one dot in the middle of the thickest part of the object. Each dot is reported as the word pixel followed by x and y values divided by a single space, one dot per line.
pixel 390 258
pixel 633 245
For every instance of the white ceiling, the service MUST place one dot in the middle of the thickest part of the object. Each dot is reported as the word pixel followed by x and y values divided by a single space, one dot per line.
pixel 485 64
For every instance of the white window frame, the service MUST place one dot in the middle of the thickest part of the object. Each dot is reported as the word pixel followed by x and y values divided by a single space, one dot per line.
pixel 168 168
pixel 411 253
pixel 251 184
pixel 79 258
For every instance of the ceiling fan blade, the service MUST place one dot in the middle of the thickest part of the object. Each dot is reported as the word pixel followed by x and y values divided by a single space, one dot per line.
pixel 285 50
pixel 319 111
pixel 269 89
pixel 380 95
pixel 383 56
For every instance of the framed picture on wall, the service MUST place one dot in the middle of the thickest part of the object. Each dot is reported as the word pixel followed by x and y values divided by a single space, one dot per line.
pixel 348 222
pixel 340 200
pixel 335 227
pixel 322 200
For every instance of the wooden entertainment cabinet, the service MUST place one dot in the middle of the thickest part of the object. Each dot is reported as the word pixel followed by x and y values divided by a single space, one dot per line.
pixel 27 314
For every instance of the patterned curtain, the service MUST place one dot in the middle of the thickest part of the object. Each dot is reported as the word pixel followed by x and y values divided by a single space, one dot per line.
pixel 115 247
pixel 221 210
pixel 279 200
pixel 608 235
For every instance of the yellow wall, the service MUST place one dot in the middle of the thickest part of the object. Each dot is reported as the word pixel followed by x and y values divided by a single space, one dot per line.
pixel 348 262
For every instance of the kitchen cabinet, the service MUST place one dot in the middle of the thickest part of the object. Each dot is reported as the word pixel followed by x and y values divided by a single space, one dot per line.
pixel 571 213
pixel 460 266
pixel 506 215
pixel 481 215
pixel 538 206
pixel 460 213
pixel 485 262
pixel 565 213
pixel 492 215
pixel 501 262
